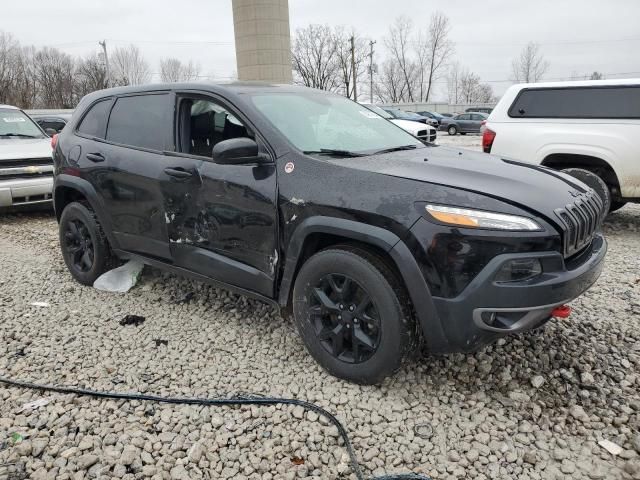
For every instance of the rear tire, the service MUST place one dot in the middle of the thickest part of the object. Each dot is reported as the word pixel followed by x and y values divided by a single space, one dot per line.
pixel 84 245
pixel 594 181
pixel 353 314
pixel 452 130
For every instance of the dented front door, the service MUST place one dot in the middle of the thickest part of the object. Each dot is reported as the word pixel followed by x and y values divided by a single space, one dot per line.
pixel 221 222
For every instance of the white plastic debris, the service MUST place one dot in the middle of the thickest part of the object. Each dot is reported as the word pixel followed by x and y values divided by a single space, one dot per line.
pixel 41 402
pixel 40 304
pixel 120 279
pixel 610 447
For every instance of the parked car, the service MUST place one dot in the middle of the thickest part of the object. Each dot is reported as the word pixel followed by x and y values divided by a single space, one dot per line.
pixel 51 123
pixel 374 241
pixel 26 167
pixel 426 133
pixel 433 115
pixel 590 129
pixel 486 110
pixel 463 123
pixel 446 114
pixel 411 116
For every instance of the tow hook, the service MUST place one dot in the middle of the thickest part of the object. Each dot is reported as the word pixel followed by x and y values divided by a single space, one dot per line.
pixel 563 311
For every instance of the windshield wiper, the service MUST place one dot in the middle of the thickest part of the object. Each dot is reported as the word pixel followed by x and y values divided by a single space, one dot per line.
pixel 337 153
pixel 17 135
pixel 396 149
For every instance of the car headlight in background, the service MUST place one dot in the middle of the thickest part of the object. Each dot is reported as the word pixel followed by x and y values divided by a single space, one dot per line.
pixel 464 217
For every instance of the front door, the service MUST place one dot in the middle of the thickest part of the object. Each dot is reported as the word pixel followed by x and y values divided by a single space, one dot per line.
pixel 222 219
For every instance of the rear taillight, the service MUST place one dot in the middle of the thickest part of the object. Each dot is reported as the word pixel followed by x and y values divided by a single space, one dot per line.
pixel 54 141
pixel 487 140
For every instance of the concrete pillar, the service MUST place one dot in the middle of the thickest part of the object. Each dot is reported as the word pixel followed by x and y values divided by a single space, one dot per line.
pixel 263 46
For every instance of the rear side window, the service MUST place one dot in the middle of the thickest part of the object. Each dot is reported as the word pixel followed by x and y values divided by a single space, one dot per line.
pixel 94 122
pixel 578 102
pixel 139 121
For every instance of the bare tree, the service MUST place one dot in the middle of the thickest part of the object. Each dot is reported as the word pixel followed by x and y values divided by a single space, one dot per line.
pixel 173 70
pixel 9 57
pixel 398 43
pixel 596 76
pixel 530 66
pixel 91 75
pixel 343 58
pixel 390 86
pixel 314 57
pixel 54 71
pixel 453 83
pixel 433 51
pixel 128 67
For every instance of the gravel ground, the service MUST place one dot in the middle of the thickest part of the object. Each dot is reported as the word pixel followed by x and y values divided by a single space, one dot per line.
pixel 532 406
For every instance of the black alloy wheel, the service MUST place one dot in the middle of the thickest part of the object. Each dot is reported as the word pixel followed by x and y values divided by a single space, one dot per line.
pixel 346 320
pixel 79 245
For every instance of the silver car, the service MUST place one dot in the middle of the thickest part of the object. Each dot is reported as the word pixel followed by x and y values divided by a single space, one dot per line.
pixel 26 166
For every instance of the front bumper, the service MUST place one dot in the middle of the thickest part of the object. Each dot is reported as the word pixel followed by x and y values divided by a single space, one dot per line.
pixel 486 310
pixel 31 191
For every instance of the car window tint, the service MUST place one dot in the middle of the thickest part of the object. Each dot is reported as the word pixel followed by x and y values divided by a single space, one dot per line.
pixel 578 102
pixel 478 117
pixel 139 121
pixel 205 123
pixel 94 122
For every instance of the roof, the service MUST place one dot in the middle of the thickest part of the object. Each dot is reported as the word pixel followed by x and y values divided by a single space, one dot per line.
pixel 580 83
pixel 238 87
pixel 8 107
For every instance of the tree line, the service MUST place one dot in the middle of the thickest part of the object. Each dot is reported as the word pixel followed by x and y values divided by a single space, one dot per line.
pixel 49 78
pixel 415 61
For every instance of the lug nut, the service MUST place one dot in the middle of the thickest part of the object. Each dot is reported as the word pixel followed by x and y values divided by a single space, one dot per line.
pixel 339 317
pixel 341 306
pixel 352 308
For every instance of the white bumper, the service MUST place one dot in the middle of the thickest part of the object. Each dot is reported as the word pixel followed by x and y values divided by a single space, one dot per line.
pixel 27 191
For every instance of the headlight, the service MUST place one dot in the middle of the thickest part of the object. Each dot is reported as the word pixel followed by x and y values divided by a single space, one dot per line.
pixel 463 217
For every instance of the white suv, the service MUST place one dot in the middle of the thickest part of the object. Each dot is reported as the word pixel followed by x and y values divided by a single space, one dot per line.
pixel 26 166
pixel 591 129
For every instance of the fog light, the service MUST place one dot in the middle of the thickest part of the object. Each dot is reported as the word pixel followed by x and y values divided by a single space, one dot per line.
pixel 519 270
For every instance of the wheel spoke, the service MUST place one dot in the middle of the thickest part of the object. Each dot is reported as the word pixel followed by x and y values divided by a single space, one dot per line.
pixel 73 228
pixel 86 261
pixel 337 340
pixel 362 306
pixel 361 338
pixel 325 300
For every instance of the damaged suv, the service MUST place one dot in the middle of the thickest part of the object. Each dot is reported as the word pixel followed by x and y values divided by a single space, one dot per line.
pixel 374 241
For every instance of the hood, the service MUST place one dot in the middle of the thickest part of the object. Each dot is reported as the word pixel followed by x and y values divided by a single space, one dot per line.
pixel 19 148
pixel 526 186
pixel 410 126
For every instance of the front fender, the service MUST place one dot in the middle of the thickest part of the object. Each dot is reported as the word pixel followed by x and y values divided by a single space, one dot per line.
pixel 405 262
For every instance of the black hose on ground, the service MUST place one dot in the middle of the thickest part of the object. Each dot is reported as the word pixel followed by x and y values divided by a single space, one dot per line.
pixel 241 400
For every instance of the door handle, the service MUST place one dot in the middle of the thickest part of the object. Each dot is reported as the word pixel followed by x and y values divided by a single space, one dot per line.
pixel 95 157
pixel 177 172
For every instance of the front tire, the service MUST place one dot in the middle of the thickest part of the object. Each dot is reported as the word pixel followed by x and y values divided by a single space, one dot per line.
pixel 594 181
pixel 83 243
pixel 353 314
pixel 452 130
pixel 616 206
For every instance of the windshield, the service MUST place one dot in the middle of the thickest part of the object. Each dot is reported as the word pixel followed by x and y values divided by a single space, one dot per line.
pixel 14 123
pixel 379 111
pixel 316 121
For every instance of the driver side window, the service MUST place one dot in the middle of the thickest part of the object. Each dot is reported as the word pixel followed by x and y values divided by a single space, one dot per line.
pixel 203 123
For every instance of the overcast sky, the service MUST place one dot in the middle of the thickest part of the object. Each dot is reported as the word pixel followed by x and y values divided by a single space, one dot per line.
pixel 576 36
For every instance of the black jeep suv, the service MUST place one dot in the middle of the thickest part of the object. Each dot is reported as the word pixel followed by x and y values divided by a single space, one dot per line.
pixel 304 199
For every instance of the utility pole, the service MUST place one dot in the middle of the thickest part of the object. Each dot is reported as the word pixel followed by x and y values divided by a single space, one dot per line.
pixel 371 44
pixel 103 44
pixel 353 68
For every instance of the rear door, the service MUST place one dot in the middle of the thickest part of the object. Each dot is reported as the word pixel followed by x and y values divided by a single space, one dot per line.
pixel 476 122
pixel 463 121
pixel 222 219
pixel 127 168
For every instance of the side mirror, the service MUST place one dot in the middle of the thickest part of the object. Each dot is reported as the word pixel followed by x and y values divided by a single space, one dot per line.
pixel 50 131
pixel 237 151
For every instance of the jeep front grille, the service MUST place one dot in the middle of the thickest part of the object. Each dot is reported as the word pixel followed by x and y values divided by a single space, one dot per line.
pixel 580 221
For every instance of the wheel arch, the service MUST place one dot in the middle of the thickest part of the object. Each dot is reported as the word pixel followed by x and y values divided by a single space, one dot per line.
pixel 317 233
pixel 68 188
pixel 595 164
